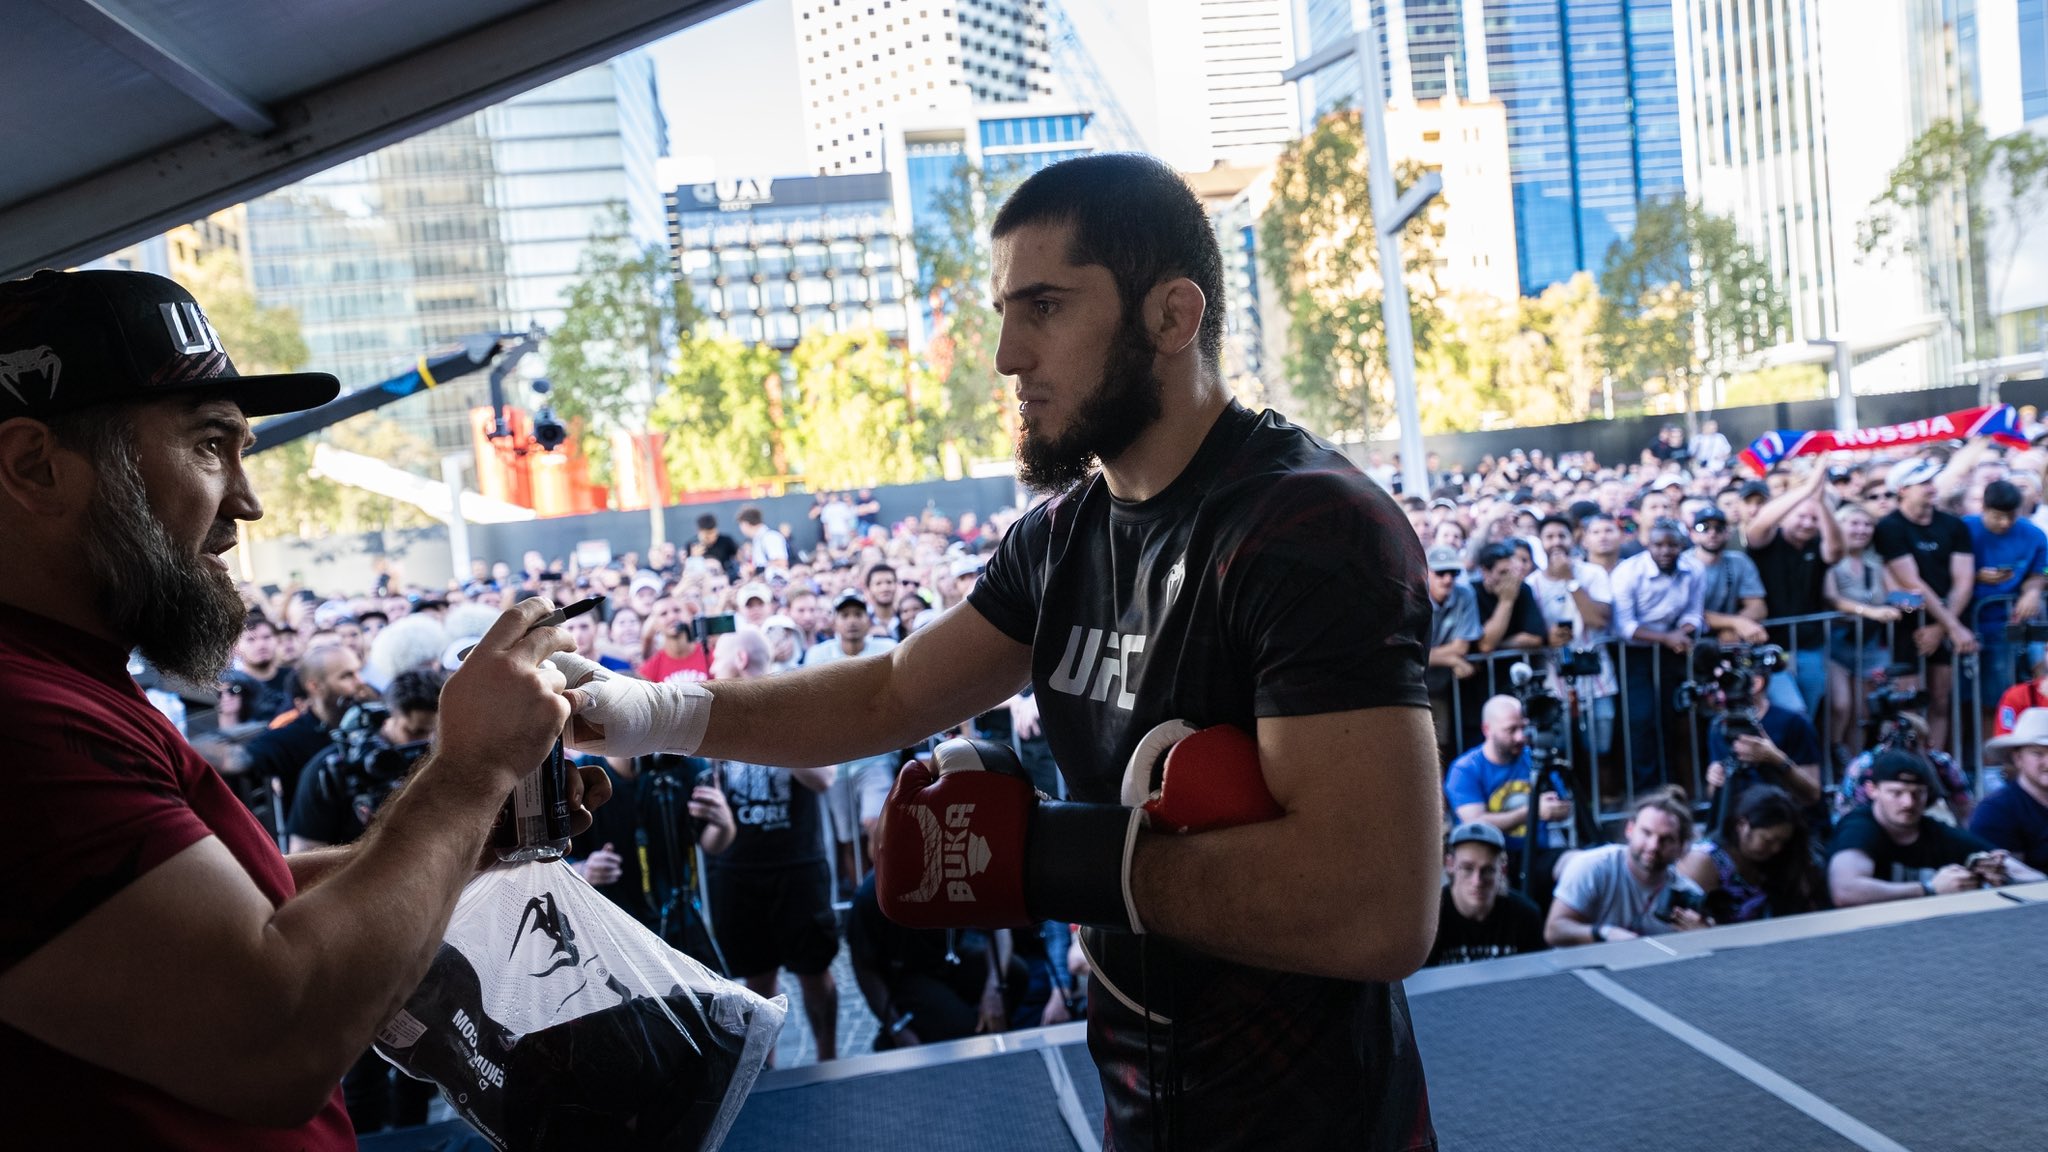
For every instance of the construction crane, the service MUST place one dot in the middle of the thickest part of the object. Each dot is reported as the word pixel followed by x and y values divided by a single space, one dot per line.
pixel 1075 66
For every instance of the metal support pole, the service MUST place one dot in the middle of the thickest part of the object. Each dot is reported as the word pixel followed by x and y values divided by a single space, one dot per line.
pixel 458 528
pixel 1394 315
pixel 1845 390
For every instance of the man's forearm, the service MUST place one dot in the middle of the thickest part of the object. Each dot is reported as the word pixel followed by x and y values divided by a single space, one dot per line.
pixel 356 946
pixel 1870 890
pixel 311 867
pixel 1496 627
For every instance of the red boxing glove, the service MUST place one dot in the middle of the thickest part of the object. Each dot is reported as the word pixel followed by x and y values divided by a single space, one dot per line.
pixel 975 846
pixel 949 852
pixel 1208 778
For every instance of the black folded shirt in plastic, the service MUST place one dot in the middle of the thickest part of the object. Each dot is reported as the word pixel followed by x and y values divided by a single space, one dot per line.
pixel 625 1077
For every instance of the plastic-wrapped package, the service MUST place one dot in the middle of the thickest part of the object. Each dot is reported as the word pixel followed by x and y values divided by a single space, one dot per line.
pixel 551 1020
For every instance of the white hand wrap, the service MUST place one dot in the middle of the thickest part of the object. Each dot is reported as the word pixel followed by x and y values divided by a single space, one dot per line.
pixel 631 716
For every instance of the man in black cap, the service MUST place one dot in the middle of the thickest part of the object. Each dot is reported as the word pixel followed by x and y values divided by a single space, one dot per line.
pixel 167 979
pixel 1892 850
pixel 1480 919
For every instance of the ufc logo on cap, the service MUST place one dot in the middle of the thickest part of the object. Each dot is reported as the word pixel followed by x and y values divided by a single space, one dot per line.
pixel 190 332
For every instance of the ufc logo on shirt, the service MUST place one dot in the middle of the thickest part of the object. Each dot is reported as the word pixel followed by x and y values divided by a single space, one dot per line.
pixel 1102 659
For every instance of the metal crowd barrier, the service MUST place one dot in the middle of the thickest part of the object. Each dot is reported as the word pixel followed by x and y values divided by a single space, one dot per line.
pixel 1607 776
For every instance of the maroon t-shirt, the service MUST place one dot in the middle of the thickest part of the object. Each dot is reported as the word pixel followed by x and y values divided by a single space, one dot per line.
pixel 101 789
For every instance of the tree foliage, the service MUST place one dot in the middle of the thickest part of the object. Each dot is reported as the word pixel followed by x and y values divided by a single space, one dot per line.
pixel 1529 360
pixel 721 415
pixel 1317 242
pixel 1996 183
pixel 258 339
pixel 622 320
pixel 860 423
pixel 1685 300
pixel 971 408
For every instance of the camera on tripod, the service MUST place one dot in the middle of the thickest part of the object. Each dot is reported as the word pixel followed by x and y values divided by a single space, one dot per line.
pixel 1543 709
pixel 1720 684
pixel 1888 705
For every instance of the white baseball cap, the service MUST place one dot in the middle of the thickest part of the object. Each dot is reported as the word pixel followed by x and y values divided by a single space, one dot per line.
pixel 1906 473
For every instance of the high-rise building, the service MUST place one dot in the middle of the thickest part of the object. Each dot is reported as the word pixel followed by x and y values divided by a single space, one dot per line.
pixel 179 252
pixel 1004 55
pixel 868 67
pixel 768 260
pixel 1796 111
pixel 476 226
pixel 1243 47
pixel 1590 89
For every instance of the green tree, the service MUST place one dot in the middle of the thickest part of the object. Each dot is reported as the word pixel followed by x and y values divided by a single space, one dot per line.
pixel 1503 363
pixel 1685 300
pixel 621 323
pixel 1317 241
pixel 721 415
pixel 859 422
pixel 1997 185
pixel 259 339
pixel 971 410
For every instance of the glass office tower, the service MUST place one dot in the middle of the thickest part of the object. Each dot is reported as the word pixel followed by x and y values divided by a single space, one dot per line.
pixel 1591 90
pixel 473 227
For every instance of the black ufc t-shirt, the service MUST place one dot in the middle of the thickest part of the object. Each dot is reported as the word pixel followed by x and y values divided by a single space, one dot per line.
pixel 1271 578
pixel 1937 846
pixel 1513 927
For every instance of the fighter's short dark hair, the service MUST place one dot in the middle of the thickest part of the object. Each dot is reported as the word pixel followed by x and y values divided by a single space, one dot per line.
pixel 1134 216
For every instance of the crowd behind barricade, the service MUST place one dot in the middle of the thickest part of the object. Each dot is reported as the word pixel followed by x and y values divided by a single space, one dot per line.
pixel 1821 687
pixel 753 869
pixel 1816 688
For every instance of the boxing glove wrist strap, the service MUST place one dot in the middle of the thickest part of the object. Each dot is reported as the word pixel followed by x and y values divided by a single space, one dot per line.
pixel 1077 864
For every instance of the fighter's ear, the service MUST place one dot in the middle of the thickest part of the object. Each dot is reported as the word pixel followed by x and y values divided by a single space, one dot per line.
pixel 38 474
pixel 1173 315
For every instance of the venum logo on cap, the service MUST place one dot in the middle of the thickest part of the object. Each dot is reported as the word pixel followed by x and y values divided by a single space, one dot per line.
pixel 43 361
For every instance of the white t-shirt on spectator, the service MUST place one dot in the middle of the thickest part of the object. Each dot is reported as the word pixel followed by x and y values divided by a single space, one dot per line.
pixel 1560 606
pixel 839 521
pixel 827 651
pixel 1598 883
pixel 770 550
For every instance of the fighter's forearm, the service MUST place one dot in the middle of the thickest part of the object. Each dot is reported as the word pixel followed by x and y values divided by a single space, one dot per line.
pixel 809 717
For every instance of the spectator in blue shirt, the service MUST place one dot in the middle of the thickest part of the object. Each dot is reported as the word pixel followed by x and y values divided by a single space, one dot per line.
pixel 1490 783
pixel 2012 561
pixel 2015 817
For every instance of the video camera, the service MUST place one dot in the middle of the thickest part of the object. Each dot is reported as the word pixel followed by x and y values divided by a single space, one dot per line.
pixel 1543 708
pixel 1888 703
pixel 1720 683
pixel 368 768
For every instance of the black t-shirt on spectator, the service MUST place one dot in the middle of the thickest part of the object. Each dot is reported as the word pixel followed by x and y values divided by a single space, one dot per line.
pixel 1513 927
pixel 721 551
pixel 1795 584
pixel 1526 616
pixel 265 700
pixel 1930 545
pixel 320 810
pixel 1937 846
pixel 1794 735
pixel 776 820
pixel 284 752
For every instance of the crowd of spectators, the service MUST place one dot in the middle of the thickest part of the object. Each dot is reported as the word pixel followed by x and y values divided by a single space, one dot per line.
pixel 755 870
pixel 1829 782
pixel 1789 690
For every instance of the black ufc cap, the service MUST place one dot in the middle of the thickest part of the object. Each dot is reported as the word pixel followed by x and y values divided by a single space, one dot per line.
pixel 69 340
